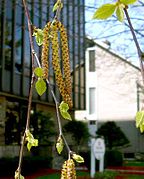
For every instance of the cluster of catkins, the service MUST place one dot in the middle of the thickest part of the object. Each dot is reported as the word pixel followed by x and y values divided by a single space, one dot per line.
pixel 56 35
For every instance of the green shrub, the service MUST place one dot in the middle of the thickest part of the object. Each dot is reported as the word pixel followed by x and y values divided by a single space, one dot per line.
pixel 113 158
pixel 113 135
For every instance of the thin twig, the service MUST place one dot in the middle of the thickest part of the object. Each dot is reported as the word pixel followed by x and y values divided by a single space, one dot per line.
pixel 33 54
pixel 54 96
pixel 67 146
pixel 30 91
pixel 32 58
pixel 140 53
pixel 57 15
pixel 52 92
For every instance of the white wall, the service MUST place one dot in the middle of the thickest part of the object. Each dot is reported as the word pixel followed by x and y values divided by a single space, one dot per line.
pixel 116 87
pixel 115 83
pixel 116 93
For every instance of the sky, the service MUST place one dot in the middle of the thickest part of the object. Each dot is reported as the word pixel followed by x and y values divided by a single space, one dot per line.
pixel 101 30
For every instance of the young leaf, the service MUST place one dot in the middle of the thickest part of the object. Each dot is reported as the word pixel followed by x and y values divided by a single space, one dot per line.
pixel 140 120
pixel 127 2
pixel 59 145
pixel 38 33
pixel 78 158
pixel 57 5
pixel 38 72
pixel 40 86
pixel 30 140
pixel 105 11
pixel 64 110
pixel 120 13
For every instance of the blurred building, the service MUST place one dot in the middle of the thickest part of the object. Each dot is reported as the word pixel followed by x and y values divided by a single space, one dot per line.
pixel 113 93
pixel 15 64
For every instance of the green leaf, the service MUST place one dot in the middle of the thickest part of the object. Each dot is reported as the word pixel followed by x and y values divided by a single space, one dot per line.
pixel 142 128
pixel 17 175
pixel 64 110
pixel 30 140
pixel 40 86
pixel 57 5
pixel 105 11
pixel 38 33
pixel 120 13
pixel 127 2
pixel 140 120
pixel 59 145
pixel 38 72
pixel 78 158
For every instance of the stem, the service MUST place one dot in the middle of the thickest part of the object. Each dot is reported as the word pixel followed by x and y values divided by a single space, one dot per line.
pixel 54 96
pixel 57 108
pixel 32 58
pixel 30 92
pixel 67 146
pixel 33 54
pixel 57 15
pixel 139 51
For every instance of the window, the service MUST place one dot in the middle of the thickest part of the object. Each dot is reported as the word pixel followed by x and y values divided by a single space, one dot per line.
pixel 92 122
pixel 15 58
pixel 92 102
pixel 92 60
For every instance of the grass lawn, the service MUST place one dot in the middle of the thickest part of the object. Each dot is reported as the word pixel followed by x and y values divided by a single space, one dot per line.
pixel 129 163
pixel 57 175
pixel 131 176
pixel 134 163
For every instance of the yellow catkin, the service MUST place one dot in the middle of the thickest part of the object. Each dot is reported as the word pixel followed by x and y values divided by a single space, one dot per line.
pixel 64 171
pixel 45 50
pixel 56 64
pixel 51 33
pixel 65 58
pixel 68 170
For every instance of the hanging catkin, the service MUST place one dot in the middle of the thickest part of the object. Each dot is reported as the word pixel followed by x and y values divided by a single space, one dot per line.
pixel 64 84
pixel 63 80
pixel 56 61
pixel 68 170
pixel 45 50
pixel 65 58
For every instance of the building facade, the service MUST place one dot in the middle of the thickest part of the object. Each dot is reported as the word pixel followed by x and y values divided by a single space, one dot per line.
pixel 113 93
pixel 15 62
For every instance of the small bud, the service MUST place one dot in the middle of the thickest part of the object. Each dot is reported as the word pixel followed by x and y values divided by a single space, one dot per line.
pixel 59 145
pixel 78 158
